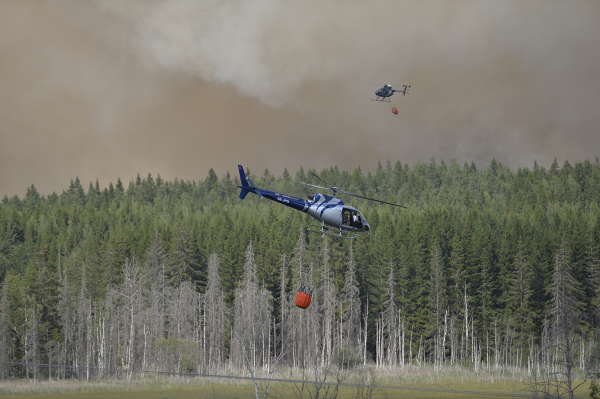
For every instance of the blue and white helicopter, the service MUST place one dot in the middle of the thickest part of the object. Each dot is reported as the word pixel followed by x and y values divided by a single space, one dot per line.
pixel 337 219
pixel 384 93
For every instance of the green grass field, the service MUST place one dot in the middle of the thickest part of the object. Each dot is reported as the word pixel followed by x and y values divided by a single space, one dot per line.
pixel 224 390
pixel 456 383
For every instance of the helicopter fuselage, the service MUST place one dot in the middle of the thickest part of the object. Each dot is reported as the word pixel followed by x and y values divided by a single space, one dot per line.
pixel 385 92
pixel 330 211
pixel 388 91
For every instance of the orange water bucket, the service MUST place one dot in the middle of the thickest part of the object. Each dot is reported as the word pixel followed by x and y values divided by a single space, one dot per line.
pixel 303 298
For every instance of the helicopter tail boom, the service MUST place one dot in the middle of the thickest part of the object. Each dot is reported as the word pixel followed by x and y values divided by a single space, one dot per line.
pixel 246 187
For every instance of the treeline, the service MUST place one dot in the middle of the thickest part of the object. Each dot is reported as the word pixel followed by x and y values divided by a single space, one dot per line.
pixel 182 276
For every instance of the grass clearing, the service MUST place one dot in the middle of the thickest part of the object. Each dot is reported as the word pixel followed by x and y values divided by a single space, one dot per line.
pixel 426 380
pixel 188 388
pixel 221 391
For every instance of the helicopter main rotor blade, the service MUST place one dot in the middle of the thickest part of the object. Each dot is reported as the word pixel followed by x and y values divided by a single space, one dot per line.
pixel 335 190
pixel 317 176
pixel 372 199
pixel 315 186
pixel 332 188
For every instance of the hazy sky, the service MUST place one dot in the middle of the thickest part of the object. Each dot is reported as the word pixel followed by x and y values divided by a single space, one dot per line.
pixel 107 89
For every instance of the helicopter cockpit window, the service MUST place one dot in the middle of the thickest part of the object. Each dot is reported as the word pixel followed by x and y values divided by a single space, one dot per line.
pixel 346 216
pixel 351 217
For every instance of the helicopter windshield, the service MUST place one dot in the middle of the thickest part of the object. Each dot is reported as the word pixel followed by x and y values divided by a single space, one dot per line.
pixel 352 217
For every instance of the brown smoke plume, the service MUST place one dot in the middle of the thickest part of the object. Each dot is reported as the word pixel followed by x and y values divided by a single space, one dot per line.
pixel 102 89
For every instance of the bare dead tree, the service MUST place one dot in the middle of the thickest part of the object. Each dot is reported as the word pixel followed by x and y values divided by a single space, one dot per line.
pixel 35 341
pixel 593 370
pixel 303 332
pixel 4 330
pixel 365 326
pixel 31 342
pixel 83 313
pixel 283 307
pixel 557 353
pixel 102 325
pixel 350 301
pixel 438 306
pixel 214 317
pixel 327 304
pixel 250 347
pixel 350 328
pixel 66 323
pixel 157 259
pixel 391 315
pixel 131 292
pixel 183 307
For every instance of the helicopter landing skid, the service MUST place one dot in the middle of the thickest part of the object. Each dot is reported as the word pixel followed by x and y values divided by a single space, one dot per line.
pixel 324 230
pixel 382 100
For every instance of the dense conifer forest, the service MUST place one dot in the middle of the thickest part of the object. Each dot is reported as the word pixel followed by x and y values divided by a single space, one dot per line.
pixel 487 267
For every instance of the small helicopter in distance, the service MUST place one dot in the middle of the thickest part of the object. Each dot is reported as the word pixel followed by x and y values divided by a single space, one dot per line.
pixel 384 93
pixel 333 214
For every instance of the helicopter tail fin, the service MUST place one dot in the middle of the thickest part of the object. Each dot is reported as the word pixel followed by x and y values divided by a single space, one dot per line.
pixel 246 186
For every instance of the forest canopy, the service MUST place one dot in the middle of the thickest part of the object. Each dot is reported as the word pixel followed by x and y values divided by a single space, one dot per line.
pixel 475 254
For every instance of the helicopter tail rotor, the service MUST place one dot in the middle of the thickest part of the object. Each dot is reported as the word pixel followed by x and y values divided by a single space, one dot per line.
pixel 404 89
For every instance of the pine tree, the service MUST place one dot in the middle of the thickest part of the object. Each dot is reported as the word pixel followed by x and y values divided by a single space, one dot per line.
pixel 184 260
pixel 595 282
pixel 565 306
pixel 497 290
pixel 519 296
pixel 458 276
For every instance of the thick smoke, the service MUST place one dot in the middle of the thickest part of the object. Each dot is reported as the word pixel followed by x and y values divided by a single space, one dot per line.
pixel 108 88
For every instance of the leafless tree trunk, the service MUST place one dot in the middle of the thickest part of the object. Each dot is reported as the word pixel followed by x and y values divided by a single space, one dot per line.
pixel 131 292
pixel 31 342
pixel 251 324
pixel 284 307
pixel 389 326
pixel 365 332
pixel 438 299
pixel 67 325
pixel 327 308
pixel 4 330
pixel 296 318
pixel 350 336
pixel 560 336
pixel 214 315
